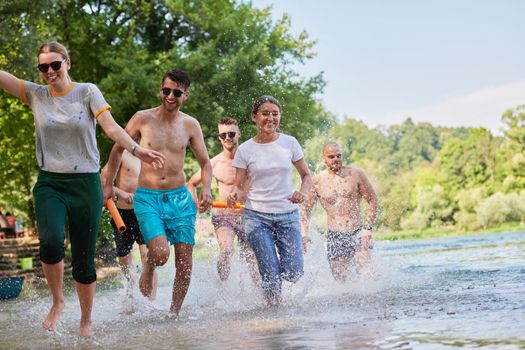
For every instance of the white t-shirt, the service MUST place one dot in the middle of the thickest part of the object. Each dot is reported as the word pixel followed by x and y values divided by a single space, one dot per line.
pixel 269 170
pixel 65 126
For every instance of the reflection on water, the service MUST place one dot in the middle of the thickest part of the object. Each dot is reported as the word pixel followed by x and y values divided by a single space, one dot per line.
pixel 427 294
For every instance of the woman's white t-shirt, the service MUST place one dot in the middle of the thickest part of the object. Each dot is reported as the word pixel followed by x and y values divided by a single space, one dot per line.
pixel 269 171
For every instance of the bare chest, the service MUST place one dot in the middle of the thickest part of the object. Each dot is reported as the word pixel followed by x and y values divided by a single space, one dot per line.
pixel 333 189
pixel 224 172
pixel 162 137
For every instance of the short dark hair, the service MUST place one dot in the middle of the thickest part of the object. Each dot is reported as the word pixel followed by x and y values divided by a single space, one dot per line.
pixel 262 100
pixel 177 76
pixel 228 121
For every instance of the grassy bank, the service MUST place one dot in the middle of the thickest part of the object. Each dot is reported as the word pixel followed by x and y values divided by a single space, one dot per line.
pixel 444 232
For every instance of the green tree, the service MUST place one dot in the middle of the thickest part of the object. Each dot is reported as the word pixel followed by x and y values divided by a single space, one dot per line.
pixel 510 168
pixel 232 52
pixel 412 144
pixel 21 30
pixel 471 162
pixel 514 121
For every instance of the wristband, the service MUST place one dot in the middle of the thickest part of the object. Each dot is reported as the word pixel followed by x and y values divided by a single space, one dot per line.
pixel 133 149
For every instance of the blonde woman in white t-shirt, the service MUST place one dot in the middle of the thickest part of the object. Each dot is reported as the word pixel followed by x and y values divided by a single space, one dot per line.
pixel 68 186
pixel 271 219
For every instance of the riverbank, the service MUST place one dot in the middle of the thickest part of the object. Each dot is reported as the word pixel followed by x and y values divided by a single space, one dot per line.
pixel 444 232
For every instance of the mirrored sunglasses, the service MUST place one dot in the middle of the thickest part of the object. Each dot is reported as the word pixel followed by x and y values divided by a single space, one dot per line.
pixel 176 92
pixel 230 134
pixel 44 67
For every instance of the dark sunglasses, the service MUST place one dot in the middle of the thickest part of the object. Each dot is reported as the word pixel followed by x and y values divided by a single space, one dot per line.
pixel 44 67
pixel 230 134
pixel 176 92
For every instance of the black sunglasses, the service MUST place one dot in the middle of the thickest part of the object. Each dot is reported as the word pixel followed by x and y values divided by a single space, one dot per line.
pixel 176 92
pixel 44 67
pixel 231 135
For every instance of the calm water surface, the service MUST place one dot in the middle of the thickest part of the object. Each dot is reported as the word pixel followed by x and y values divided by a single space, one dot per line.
pixel 450 293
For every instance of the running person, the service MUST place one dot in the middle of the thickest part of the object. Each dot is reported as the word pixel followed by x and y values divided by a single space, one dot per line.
pixel 271 218
pixel 68 186
pixel 340 190
pixel 164 206
pixel 227 222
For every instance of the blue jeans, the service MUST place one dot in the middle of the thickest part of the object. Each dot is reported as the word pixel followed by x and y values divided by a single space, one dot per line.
pixel 276 241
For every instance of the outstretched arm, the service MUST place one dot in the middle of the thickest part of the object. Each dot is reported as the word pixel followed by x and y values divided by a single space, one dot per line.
pixel 124 140
pixel 11 84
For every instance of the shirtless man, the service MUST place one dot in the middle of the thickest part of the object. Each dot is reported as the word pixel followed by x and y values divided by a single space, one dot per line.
pixel 340 190
pixel 227 222
pixel 163 205
pixel 125 186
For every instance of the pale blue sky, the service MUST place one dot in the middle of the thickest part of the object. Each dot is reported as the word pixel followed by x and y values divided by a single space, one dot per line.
pixel 449 62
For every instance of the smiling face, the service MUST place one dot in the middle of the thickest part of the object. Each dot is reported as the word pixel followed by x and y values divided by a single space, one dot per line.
pixel 53 77
pixel 170 101
pixel 333 157
pixel 267 118
pixel 229 143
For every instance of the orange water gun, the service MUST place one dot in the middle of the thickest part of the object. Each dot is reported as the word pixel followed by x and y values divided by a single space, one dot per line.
pixel 225 205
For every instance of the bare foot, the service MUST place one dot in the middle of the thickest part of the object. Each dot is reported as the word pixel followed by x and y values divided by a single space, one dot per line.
pixel 146 283
pixel 53 316
pixel 85 329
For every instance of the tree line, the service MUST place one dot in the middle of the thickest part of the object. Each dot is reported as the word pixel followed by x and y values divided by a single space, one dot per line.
pixel 436 177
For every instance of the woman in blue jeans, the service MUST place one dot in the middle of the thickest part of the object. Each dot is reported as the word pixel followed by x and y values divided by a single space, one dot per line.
pixel 271 219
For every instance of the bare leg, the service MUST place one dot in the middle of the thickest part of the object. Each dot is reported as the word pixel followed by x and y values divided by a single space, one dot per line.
pixel 125 262
pixel 339 269
pixel 183 266
pixel 143 257
pixel 54 274
pixel 225 239
pixel 158 255
pixel 86 293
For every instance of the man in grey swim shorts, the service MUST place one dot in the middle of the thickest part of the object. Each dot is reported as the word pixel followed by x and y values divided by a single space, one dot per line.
pixel 340 190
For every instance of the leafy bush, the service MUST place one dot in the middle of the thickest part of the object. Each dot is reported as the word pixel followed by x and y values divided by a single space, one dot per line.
pixel 500 207
pixel 467 221
pixel 416 221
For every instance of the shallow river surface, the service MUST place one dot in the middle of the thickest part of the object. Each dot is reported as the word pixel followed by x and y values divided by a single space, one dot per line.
pixel 447 293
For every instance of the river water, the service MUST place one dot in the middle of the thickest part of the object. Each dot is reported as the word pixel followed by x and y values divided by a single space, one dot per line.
pixel 448 293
